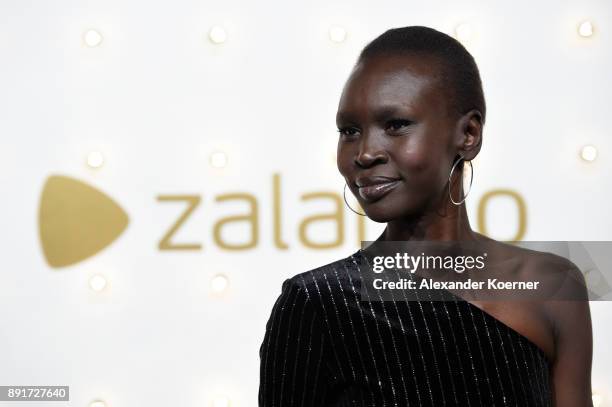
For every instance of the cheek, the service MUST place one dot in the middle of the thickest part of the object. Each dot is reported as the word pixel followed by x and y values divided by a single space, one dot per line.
pixel 420 163
pixel 413 157
pixel 344 159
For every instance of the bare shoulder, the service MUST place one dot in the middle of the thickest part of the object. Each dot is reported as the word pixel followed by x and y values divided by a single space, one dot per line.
pixel 560 316
pixel 568 311
pixel 562 282
pixel 564 302
pixel 561 277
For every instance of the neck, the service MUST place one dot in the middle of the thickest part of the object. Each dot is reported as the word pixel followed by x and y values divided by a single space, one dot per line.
pixel 451 224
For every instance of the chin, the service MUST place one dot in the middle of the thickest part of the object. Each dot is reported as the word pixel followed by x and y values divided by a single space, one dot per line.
pixel 378 218
pixel 384 211
pixel 380 213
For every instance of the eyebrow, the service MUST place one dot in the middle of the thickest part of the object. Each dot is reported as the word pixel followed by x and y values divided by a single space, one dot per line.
pixel 381 114
pixel 388 111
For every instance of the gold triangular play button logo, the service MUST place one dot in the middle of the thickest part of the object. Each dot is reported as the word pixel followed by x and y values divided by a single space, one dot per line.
pixel 76 221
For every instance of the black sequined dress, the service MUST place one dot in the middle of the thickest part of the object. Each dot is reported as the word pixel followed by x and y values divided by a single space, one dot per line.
pixel 325 347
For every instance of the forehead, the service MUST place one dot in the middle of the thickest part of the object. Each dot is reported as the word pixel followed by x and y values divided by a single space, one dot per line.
pixel 412 82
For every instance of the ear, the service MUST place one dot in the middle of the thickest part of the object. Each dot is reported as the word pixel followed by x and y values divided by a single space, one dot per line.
pixel 469 134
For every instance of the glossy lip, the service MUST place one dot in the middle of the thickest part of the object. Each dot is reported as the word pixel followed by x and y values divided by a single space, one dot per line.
pixel 373 180
pixel 375 191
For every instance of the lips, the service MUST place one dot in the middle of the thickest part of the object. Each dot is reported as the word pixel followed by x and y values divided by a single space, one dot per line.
pixel 374 188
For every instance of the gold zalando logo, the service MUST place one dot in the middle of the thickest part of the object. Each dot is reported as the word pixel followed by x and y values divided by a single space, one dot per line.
pixel 77 221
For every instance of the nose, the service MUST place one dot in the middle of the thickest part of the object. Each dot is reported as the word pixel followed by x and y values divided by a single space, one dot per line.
pixel 370 152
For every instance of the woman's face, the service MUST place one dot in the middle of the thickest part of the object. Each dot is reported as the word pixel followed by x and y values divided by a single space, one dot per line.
pixel 398 136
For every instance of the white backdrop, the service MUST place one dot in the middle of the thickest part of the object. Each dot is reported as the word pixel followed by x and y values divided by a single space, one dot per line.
pixel 156 98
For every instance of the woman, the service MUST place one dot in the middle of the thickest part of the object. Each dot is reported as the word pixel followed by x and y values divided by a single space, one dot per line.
pixel 410 115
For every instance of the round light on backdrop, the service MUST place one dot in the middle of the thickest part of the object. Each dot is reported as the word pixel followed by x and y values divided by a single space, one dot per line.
pixel 585 29
pixel 588 153
pixel 97 282
pixel 464 32
pixel 221 401
pixel 217 35
pixel 219 283
pixel 337 34
pixel 92 38
pixel 97 403
pixel 95 159
pixel 218 159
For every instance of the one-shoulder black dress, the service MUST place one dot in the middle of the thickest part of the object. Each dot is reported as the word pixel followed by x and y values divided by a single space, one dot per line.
pixel 325 347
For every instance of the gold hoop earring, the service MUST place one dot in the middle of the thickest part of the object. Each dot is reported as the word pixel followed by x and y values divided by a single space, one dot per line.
pixel 450 176
pixel 347 204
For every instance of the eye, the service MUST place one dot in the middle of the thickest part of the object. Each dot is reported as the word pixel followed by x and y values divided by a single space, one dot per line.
pixel 397 124
pixel 347 131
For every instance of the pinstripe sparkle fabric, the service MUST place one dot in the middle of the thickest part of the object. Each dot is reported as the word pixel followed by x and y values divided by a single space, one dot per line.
pixel 325 347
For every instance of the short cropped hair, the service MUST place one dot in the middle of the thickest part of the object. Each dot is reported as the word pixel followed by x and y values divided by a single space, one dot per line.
pixel 459 71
